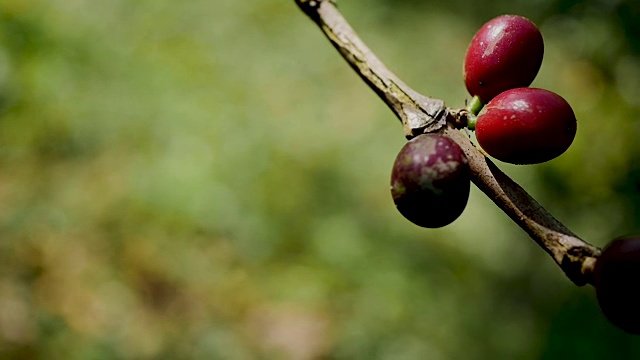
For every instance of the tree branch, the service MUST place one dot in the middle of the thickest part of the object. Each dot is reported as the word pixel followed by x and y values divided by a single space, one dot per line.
pixel 420 114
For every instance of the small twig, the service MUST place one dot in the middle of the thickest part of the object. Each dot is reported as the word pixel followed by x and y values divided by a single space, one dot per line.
pixel 419 114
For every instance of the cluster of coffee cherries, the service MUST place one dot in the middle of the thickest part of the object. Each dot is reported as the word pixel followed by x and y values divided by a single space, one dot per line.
pixel 430 180
pixel 519 125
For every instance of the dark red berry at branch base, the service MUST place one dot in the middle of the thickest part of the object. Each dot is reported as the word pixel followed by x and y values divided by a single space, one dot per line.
pixel 526 126
pixel 430 181
pixel 617 283
pixel 505 53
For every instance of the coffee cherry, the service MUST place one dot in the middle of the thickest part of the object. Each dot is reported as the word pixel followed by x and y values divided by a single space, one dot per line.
pixel 617 283
pixel 505 53
pixel 430 181
pixel 526 126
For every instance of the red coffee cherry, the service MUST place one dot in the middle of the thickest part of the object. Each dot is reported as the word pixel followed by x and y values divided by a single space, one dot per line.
pixel 526 126
pixel 505 53
pixel 617 283
pixel 430 181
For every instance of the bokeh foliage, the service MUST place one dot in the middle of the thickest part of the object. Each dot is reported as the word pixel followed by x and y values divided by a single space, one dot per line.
pixel 209 180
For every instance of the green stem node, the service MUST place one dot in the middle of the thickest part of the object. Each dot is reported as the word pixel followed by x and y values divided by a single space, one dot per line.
pixel 471 121
pixel 475 105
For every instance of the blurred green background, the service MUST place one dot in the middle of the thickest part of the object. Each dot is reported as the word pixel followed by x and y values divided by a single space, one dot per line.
pixel 210 180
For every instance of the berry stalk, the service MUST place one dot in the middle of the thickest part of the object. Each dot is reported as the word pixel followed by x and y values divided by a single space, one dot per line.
pixel 475 105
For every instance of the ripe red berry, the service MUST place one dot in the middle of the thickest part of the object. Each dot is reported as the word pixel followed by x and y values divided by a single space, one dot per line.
pixel 505 53
pixel 617 283
pixel 526 126
pixel 430 181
